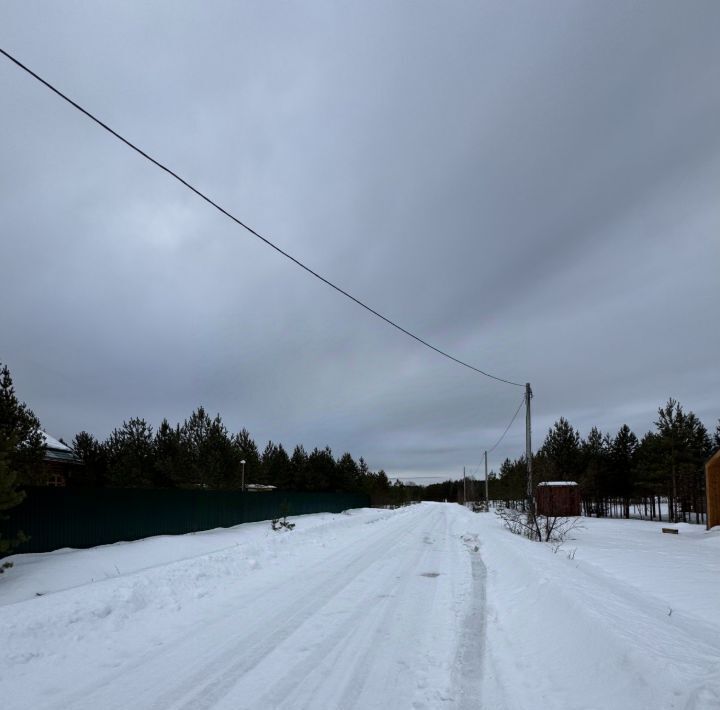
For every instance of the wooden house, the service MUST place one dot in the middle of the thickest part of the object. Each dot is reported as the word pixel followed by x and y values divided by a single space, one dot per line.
pixel 59 464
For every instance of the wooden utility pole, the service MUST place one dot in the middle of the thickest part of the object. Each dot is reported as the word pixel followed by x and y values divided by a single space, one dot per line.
pixel 487 495
pixel 464 488
pixel 528 453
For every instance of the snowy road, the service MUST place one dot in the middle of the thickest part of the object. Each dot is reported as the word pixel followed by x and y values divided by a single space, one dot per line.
pixel 369 617
pixel 430 606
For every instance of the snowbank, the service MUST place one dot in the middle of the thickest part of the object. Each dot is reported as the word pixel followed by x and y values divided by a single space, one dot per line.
pixel 34 575
pixel 621 616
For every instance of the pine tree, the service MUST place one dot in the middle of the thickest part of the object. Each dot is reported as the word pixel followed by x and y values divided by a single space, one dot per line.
pixel 10 496
pixel 649 472
pixel 299 465
pixel 246 450
pixel 21 450
pixel 512 481
pixel 283 470
pixel 685 445
pixel 171 466
pixel 265 474
pixel 218 457
pixel 594 482
pixel 378 486
pixel 623 454
pixel 277 470
pixel 321 470
pixel 92 453
pixel 193 434
pixel 670 424
pixel 694 450
pixel 213 459
pixel 562 449
pixel 347 473
pixel 131 455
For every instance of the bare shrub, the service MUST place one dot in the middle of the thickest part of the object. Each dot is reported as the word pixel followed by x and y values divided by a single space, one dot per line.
pixel 543 528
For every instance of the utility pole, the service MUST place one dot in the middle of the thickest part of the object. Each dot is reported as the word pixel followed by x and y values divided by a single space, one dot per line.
pixel 487 495
pixel 464 489
pixel 528 453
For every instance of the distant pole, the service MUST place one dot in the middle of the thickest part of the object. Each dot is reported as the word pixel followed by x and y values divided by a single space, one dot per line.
pixel 487 494
pixel 528 450
pixel 464 488
pixel 242 481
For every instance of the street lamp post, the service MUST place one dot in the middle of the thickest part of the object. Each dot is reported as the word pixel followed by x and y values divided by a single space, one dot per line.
pixel 242 481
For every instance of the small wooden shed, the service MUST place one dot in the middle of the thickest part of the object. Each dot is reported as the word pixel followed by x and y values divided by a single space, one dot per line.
pixel 558 499
pixel 712 489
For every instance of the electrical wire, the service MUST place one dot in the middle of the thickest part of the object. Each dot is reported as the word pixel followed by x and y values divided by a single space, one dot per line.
pixel 507 428
pixel 228 214
pixel 476 469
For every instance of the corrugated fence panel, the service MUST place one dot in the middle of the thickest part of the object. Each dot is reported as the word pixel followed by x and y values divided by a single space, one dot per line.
pixel 54 518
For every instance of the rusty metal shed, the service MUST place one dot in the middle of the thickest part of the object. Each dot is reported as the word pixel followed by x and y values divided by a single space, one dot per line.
pixel 558 499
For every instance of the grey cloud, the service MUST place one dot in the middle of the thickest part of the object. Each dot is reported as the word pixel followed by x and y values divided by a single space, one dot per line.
pixel 532 187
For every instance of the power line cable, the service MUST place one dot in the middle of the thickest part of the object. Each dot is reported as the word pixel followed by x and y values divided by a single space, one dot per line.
pixel 507 428
pixel 228 214
pixel 476 469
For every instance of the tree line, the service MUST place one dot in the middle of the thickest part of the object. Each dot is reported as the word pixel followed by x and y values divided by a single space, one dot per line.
pixel 199 453
pixel 614 473
pixel 202 453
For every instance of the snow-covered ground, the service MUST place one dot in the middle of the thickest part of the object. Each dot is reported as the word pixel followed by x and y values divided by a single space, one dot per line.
pixel 430 606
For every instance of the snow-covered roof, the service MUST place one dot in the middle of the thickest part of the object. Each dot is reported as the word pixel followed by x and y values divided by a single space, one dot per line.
pixel 57 451
pixel 557 483
pixel 53 443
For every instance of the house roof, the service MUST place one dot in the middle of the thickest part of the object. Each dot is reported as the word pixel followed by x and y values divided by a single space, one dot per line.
pixel 57 451
pixel 558 483
pixel 52 443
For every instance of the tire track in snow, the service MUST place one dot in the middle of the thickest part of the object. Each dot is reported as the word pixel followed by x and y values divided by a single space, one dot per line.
pixel 402 658
pixel 351 646
pixel 471 651
pixel 150 674
pixel 370 658
pixel 226 668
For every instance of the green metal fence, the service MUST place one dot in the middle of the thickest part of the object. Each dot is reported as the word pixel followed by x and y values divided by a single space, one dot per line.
pixel 70 517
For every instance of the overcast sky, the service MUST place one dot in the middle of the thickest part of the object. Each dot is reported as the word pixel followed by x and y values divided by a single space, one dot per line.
pixel 533 187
